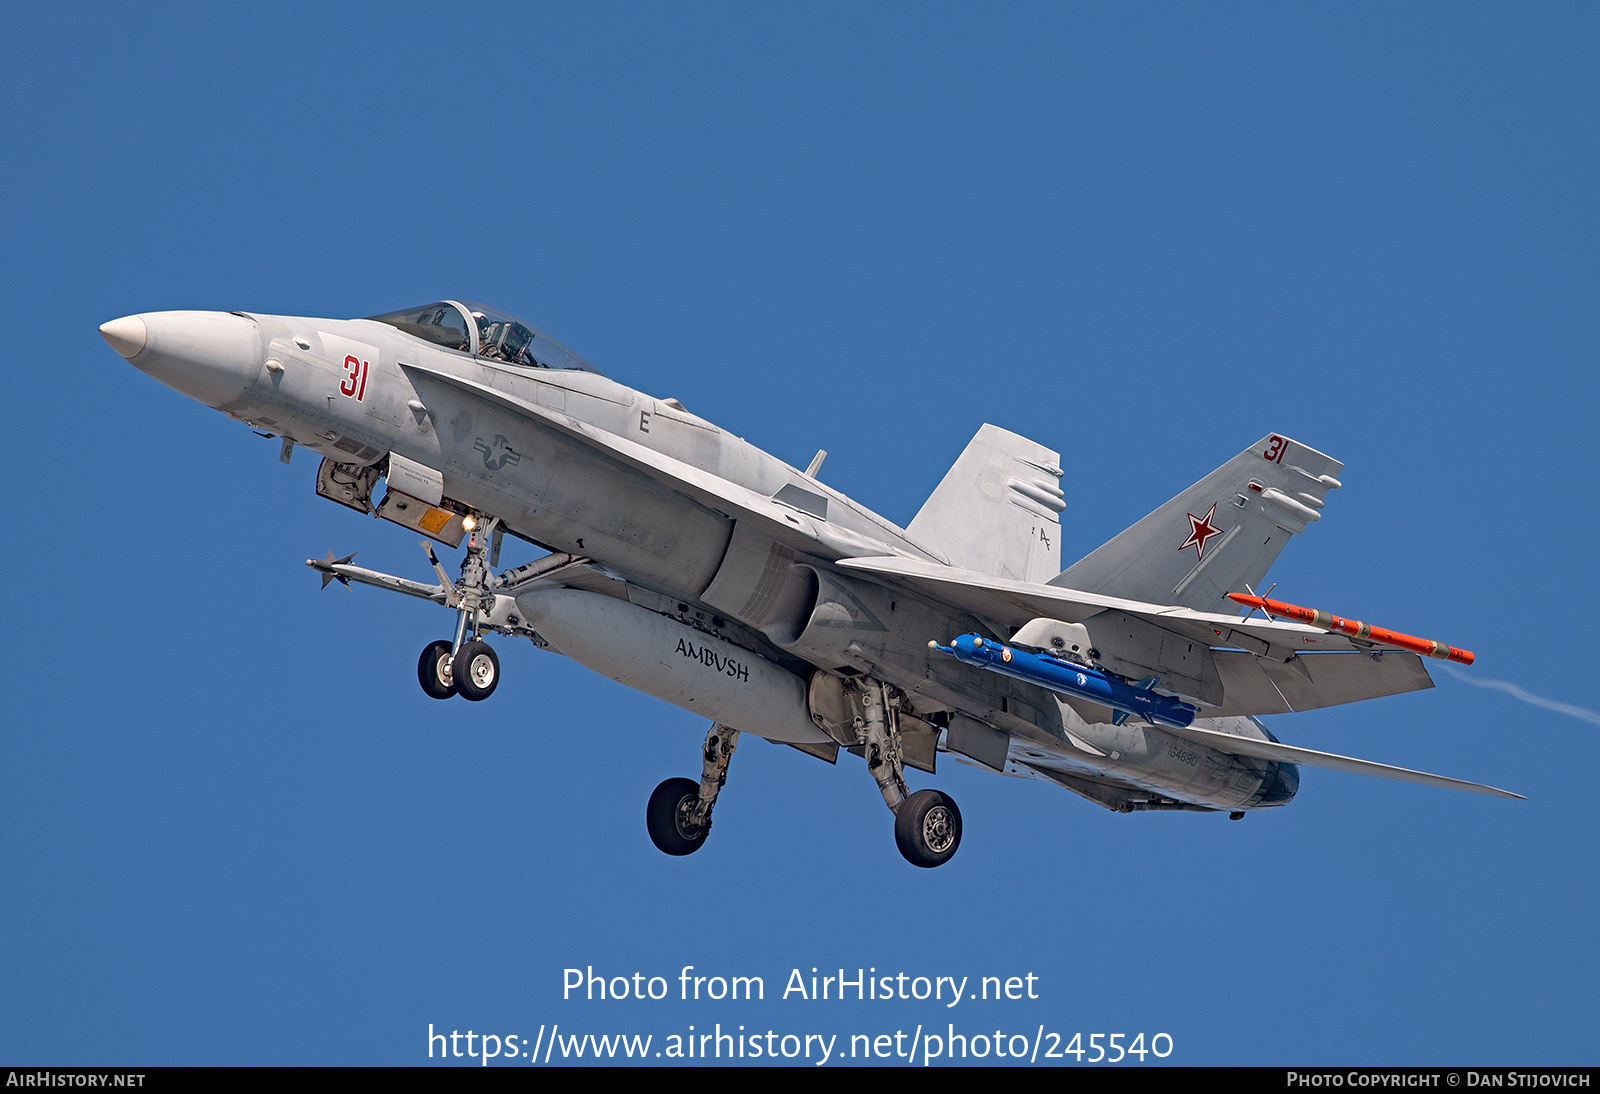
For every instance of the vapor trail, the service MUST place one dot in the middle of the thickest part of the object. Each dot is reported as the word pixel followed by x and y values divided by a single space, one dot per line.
pixel 1526 696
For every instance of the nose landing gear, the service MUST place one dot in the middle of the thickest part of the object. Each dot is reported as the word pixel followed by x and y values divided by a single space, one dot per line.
pixel 465 665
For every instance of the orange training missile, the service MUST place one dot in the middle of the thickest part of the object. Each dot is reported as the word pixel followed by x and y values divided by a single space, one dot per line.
pixel 1355 628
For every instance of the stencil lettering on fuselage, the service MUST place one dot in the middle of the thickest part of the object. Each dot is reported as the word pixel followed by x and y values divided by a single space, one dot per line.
pixel 711 659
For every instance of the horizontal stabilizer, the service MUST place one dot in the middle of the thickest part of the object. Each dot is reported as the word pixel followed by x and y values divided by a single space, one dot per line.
pixel 1272 750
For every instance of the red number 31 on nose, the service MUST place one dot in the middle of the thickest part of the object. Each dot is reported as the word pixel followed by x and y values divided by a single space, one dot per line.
pixel 355 381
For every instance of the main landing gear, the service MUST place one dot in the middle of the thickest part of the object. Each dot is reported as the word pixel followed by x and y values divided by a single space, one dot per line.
pixel 678 817
pixel 927 828
pixel 927 824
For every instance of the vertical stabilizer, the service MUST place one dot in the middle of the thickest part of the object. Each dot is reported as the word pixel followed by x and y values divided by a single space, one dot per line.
pixel 997 509
pixel 1218 536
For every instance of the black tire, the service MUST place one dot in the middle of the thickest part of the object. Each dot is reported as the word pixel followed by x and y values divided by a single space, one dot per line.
pixel 927 828
pixel 433 671
pixel 664 817
pixel 476 671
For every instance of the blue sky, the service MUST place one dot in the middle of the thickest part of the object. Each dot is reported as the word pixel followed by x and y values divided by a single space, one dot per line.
pixel 235 831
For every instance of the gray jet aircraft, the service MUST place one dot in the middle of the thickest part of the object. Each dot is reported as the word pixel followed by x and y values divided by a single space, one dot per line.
pixel 684 562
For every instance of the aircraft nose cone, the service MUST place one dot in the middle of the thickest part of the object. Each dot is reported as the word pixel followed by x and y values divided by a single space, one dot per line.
pixel 214 357
pixel 126 335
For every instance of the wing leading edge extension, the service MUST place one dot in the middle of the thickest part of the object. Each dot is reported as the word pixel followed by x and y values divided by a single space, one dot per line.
pixel 782 522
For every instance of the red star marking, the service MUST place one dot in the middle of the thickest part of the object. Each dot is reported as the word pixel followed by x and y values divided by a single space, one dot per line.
pixel 1200 531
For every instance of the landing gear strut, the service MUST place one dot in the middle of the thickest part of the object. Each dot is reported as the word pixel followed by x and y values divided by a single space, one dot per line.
pixel 927 824
pixel 679 814
pixel 466 666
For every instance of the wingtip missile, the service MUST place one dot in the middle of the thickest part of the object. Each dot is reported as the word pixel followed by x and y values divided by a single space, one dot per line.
pixel 325 567
pixel 1355 628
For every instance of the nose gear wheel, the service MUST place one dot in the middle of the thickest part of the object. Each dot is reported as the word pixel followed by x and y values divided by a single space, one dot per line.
pixel 476 671
pixel 433 670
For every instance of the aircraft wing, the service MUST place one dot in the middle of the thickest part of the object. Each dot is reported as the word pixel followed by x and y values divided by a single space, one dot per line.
pixel 1016 602
pixel 784 524
pixel 1272 750
pixel 1255 667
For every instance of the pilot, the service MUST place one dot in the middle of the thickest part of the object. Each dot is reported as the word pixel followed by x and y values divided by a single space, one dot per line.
pixel 489 335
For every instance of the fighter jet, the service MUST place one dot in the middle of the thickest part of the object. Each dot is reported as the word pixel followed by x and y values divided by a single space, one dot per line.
pixel 686 563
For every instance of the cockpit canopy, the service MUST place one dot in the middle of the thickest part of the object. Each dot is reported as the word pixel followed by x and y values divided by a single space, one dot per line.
pixel 486 332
